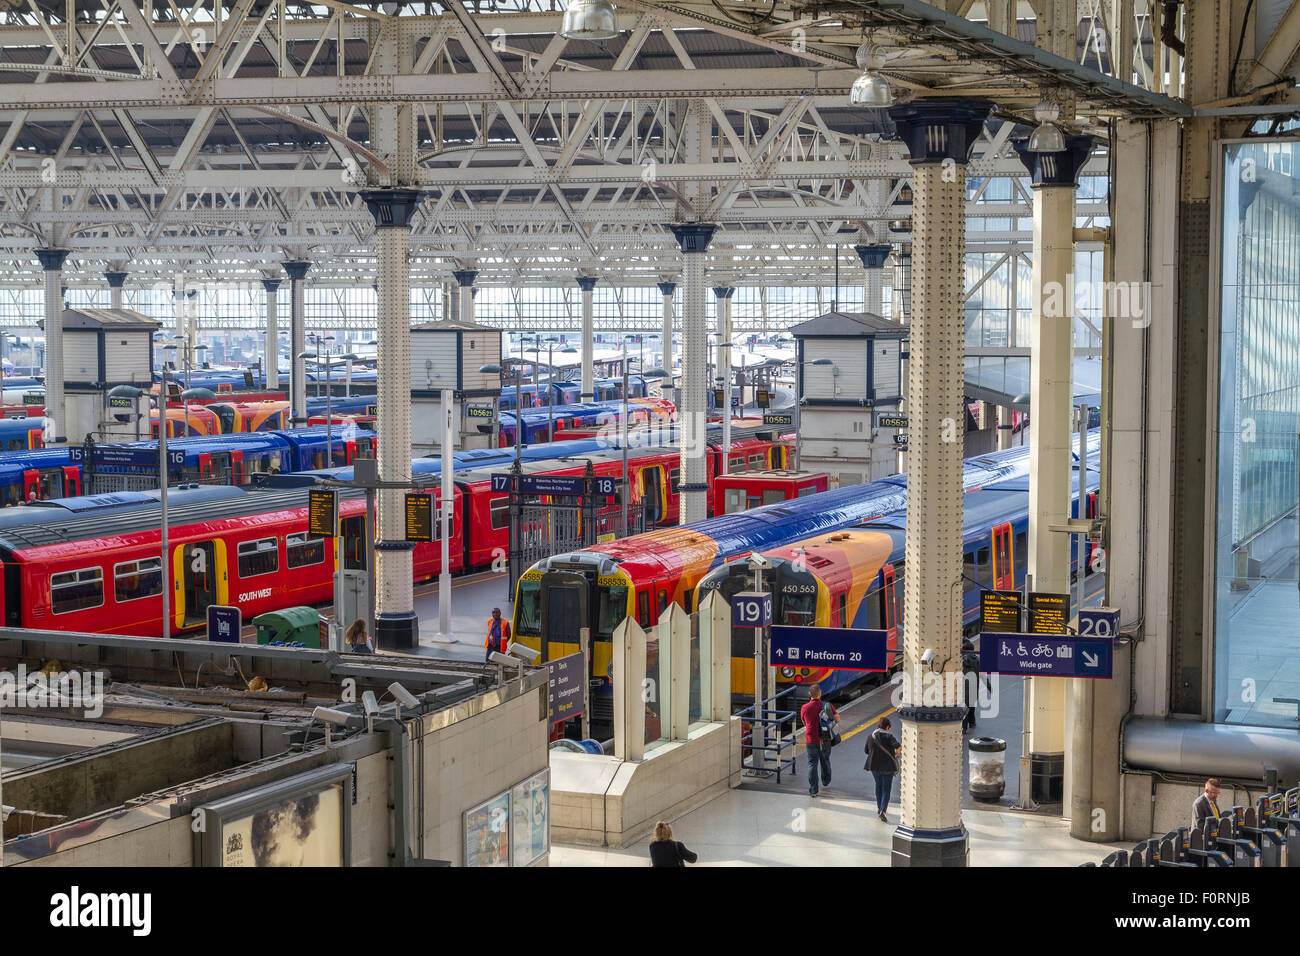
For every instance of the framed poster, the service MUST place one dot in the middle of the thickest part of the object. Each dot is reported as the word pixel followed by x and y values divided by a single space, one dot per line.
pixel 304 820
pixel 530 819
pixel 487 833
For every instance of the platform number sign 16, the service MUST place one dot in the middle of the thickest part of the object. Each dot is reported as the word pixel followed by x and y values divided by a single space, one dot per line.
pixel 1098 622
pixel 751 609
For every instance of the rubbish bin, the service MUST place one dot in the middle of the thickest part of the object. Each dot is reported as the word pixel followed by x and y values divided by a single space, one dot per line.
pixel 292 625
pixel 988 765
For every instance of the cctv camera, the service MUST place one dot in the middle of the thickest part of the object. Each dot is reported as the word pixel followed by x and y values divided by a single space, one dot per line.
pixel 369 702
pixel 402 695
pixel 927 657
pixel 338 718
pixel 496 657
pixel 759 563
pixel 524 651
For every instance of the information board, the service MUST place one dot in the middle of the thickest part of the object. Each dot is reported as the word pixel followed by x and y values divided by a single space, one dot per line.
pixel 419 516
pixel 322 513
pixel 837 648
pixel 784 419
pixel 1000 611
pixel 567 675
pixel 224 623
pixel 891 421
pixel 763 398
pixel 120 401
pixel 1048 613
pixel 478 411
pixel 1037 655
pixel 718 398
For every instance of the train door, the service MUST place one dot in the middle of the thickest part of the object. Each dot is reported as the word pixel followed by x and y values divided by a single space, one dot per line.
pixel 71 480
pixel 354 543
pixel 1004 575
pixel 237 468
pixel 652 493
pixel 199 580
pixel 564 611
pixel 49 483
pixel 205 467
pixel 36 438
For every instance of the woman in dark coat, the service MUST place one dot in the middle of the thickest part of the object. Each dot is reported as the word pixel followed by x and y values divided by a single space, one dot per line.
pixel 665 851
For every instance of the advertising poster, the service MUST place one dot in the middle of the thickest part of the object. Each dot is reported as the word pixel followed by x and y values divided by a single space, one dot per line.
pixel 487 833
pixel 531 818
pixel 301 830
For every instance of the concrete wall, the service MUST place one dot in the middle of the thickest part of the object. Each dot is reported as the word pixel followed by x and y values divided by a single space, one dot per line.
pixel 169 843
pixel 599 799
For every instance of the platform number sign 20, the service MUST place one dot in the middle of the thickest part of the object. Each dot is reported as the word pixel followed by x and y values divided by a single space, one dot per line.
pixel 751 609
pixel 1098 622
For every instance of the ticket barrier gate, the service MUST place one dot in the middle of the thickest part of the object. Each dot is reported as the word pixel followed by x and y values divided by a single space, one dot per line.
pixel 1221 834
pixel 1252 824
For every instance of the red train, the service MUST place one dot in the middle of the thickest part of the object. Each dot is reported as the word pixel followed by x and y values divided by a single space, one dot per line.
pixel 102 572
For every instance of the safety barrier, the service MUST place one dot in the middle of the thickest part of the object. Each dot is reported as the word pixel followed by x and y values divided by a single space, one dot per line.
pixel 1244 836
pixel 777 737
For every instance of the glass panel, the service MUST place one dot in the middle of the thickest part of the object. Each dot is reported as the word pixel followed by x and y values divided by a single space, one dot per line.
pixel 1258 428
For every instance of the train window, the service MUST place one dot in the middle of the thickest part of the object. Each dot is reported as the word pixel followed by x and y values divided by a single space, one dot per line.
pixel 674 479
pixel 969 573
pixel 528 609
pixel 643 608
pixel 798 606
pixel 844 613
pixel 15 444
pixel 772 495
pixel 982 562
pixel 736 465
pixel 10 495
pixel 876 609
pixel 756 462
pixel 133 580
pixel 76 590
pixel 807 490
pixel 501 513
pixel 354 543
pixel 612 611
pixel 258 557
pixel 898 597
pixel 301 551
pixel 735 500
pixel 365 448
pixel 663 600
pixel 1021 557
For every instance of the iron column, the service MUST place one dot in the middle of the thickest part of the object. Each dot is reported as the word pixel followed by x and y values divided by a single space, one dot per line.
pixel 666 359
pixel 297 273
pixel 115 282
pixel 693 239
pixel 271 360
pixel 1055 176
pixel 588 284
pixel 939 136
pixel 55 420
pixel 396 626
pixel 873 261
pixel 465 292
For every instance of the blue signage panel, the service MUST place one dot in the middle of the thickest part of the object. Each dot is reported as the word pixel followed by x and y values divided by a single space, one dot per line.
pixel 1099 622
pixel 751 609
pixel 1040 655
pixel 839 648
pixel 605 485
pixel 500 483
pixel 551 484
pixel 224 623
pixel 567 675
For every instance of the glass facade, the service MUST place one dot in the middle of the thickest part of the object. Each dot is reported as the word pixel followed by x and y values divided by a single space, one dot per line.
pixel 1255 581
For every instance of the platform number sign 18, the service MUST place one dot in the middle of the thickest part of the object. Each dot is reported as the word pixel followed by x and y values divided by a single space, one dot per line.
pixel 605 485
pixel 751 609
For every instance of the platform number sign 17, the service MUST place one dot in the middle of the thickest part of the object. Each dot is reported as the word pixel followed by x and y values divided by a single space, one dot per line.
pixel 751 609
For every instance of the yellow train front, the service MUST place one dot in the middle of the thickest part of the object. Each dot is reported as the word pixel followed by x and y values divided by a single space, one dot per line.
pixel 836 579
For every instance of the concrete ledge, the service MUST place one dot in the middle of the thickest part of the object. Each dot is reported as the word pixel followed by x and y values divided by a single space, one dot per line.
pixel 601 800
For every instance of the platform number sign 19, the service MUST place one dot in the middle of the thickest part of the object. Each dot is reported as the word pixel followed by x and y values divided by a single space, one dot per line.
pixel 751 609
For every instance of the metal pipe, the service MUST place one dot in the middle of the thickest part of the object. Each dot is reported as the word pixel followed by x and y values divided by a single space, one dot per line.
pixel 162 496
pixel 1212 750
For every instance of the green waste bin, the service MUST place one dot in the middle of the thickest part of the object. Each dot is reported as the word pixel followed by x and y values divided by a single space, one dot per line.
pixel 292 625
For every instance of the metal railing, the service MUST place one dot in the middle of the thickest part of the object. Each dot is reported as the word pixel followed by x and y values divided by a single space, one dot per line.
pixel 770 756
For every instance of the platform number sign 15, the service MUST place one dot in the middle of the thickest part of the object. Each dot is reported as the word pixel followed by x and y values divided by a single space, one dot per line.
pixel 1099 622
pixel 751 609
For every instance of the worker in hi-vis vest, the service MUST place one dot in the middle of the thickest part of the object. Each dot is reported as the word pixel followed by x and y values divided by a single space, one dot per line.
pixel 498 635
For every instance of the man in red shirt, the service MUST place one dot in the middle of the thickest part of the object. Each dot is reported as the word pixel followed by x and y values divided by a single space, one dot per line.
pixel 817 749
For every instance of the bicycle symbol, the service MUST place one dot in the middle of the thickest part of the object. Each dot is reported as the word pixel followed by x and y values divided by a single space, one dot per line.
pixel 1042 650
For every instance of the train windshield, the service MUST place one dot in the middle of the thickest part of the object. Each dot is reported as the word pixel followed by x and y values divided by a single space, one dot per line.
pixel 528 609
pixel 796 602
pixel 612 609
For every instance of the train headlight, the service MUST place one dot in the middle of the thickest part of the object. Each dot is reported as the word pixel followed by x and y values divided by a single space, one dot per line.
pixel 787 672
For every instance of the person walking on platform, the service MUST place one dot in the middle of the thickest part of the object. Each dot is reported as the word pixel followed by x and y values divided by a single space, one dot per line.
pixel 818 718
pixel 358 641
pixel 665 851
pixel 498 635
pixel 1206 806
pixel 882 761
